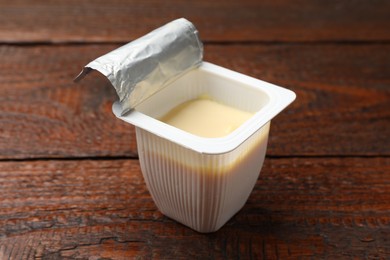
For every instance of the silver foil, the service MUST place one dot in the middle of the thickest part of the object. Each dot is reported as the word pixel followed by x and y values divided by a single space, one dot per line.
pixel 142 67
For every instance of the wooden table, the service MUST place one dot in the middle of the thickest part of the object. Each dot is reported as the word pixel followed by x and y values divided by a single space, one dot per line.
pixel 70 180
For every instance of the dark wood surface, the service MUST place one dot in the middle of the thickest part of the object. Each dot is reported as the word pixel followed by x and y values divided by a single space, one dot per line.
pixel 219 21
pixel 70 181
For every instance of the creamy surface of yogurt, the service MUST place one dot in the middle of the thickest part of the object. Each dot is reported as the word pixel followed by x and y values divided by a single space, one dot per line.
pixel 206 118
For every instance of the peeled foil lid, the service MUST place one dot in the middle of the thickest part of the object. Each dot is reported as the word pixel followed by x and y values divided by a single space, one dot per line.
pixel 144 66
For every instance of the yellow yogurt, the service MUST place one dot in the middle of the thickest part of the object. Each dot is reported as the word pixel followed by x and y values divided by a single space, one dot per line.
pixel 206 118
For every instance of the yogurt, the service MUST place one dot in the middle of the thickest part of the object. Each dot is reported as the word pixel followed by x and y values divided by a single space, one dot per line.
pixel 206 118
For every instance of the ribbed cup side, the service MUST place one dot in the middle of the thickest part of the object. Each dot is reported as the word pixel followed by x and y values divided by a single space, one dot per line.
pixel 199 190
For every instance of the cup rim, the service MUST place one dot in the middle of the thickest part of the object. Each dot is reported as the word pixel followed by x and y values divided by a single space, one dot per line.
pixel 279 98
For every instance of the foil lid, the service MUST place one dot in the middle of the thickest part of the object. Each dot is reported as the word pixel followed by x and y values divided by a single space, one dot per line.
pixel 144 66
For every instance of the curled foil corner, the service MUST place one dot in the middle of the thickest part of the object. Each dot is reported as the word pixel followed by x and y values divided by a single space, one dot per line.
pixel 144 66
pixel 82 74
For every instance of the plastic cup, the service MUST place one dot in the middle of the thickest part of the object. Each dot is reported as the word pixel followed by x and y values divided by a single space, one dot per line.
pixel 202 182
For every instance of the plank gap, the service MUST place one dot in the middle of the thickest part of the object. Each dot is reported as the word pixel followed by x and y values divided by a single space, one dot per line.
pixel 115 158
pixel 205 42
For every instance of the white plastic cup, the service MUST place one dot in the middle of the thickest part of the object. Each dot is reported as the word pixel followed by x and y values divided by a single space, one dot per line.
pixel 202 182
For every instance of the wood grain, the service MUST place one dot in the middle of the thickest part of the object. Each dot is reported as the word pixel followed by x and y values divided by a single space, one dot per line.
pixel 228 21
pixel 307 208
pixel 342 105
pixel 70 181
